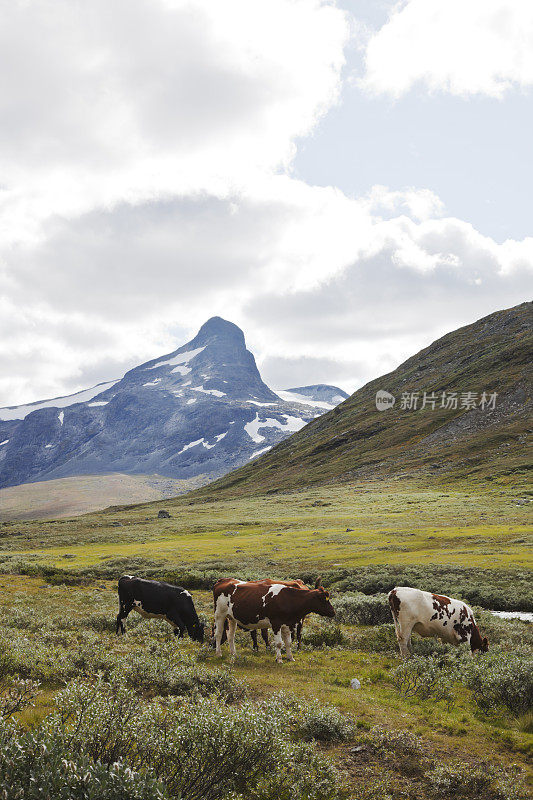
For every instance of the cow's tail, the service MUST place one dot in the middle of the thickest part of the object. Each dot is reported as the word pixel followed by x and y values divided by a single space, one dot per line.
pixel 394 603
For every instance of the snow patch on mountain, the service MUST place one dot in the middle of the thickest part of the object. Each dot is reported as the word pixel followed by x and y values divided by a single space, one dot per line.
pixel 260 452
pixel 214 392
pixel 291 425
pixel 293 397
pixel 20 412
pixel 203 442
pixel 181 358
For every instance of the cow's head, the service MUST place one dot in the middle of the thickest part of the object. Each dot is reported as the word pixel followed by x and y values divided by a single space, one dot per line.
pixel 477 643
pixel 196 631
pixel 322 602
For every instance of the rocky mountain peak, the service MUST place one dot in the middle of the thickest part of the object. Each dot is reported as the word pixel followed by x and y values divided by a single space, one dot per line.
pixel 194 413
pixel 219 330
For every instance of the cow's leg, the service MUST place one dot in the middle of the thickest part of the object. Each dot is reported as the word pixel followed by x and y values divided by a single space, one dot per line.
pixel 264 634
pixel 278 644
pixel 220 624
pixel 124 608
pixel 296 634
pixel 253 634
pixel 232 627
pixel 286 636
pixel 403 636
pixel 221 614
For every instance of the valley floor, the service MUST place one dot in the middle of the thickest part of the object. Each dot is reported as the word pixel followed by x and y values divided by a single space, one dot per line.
pixel 58 604
pixel 326 527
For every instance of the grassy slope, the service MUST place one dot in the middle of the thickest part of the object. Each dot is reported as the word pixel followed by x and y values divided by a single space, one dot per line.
pixel 390 523
pixel 355 440
pixel 65 497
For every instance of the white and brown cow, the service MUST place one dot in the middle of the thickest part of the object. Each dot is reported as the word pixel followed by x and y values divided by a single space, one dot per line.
pixel 296 630
pixel 428 614
pixel 259 605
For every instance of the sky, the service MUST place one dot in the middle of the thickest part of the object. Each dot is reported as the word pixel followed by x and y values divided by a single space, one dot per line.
pixel 347 181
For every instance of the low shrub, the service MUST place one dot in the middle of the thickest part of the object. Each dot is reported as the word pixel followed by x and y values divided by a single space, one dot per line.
pixel 325 635
pixel 325 724
pixel 355 608
pixel 202 750
pixel 502 679
pixel 463 781
pixel 380 638
pixel 498 589
pixel 159 672
pixel 16 695
pixel 427 678
pixel 402 747
pixel 36 764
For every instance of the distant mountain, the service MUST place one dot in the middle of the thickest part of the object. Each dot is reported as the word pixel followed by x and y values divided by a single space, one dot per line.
pixel 201 410
pixel 475 420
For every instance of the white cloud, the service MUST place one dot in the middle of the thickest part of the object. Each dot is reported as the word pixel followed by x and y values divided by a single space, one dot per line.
pixel 130 100
pixel 145 154
pixel 465 48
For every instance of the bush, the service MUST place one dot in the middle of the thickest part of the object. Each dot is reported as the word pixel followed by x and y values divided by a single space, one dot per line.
pixel 201 750
pixel 502 679
pixel 399 746
pixel 326 724
pixel 354 608
pixel 326 635
pixel 308 776
pixel 498 589
pixel 159 672
pixel 464 781
pixel 380 639
pixel 427 678
pixel 17 695
pixel 36 765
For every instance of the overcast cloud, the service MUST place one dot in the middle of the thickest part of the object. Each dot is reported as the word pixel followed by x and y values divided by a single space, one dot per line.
pixel 147 155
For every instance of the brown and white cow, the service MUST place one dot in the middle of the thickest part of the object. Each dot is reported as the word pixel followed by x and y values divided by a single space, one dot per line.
pixel 259 605
pixel 296 630
pixel 428 614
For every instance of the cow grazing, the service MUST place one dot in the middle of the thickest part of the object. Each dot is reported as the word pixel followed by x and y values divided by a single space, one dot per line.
pixel 430 614
pixel 296 630
pixel 259 605
pixel 157 600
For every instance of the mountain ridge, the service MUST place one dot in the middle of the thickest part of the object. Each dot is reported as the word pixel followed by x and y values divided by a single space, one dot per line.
pixel 356 441
pixel 202 409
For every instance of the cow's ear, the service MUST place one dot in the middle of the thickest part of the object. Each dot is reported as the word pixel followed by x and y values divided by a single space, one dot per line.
pixel 318 583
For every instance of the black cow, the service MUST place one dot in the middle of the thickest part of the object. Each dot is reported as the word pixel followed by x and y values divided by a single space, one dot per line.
pixel 154 599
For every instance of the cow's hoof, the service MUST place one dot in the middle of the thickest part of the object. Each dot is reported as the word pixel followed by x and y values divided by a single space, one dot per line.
pixel 290 659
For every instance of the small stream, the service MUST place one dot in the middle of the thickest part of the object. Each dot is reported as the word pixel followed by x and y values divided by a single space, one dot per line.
pixel 525 616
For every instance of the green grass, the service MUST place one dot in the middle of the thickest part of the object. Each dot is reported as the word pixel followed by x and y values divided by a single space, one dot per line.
pixel 469 542
pixel 390 523
pixel 323 673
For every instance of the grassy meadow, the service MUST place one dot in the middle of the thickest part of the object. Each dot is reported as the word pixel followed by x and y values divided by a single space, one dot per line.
pixel 443 725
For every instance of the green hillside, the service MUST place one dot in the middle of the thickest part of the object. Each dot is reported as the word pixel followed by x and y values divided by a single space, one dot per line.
pixel 356 441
